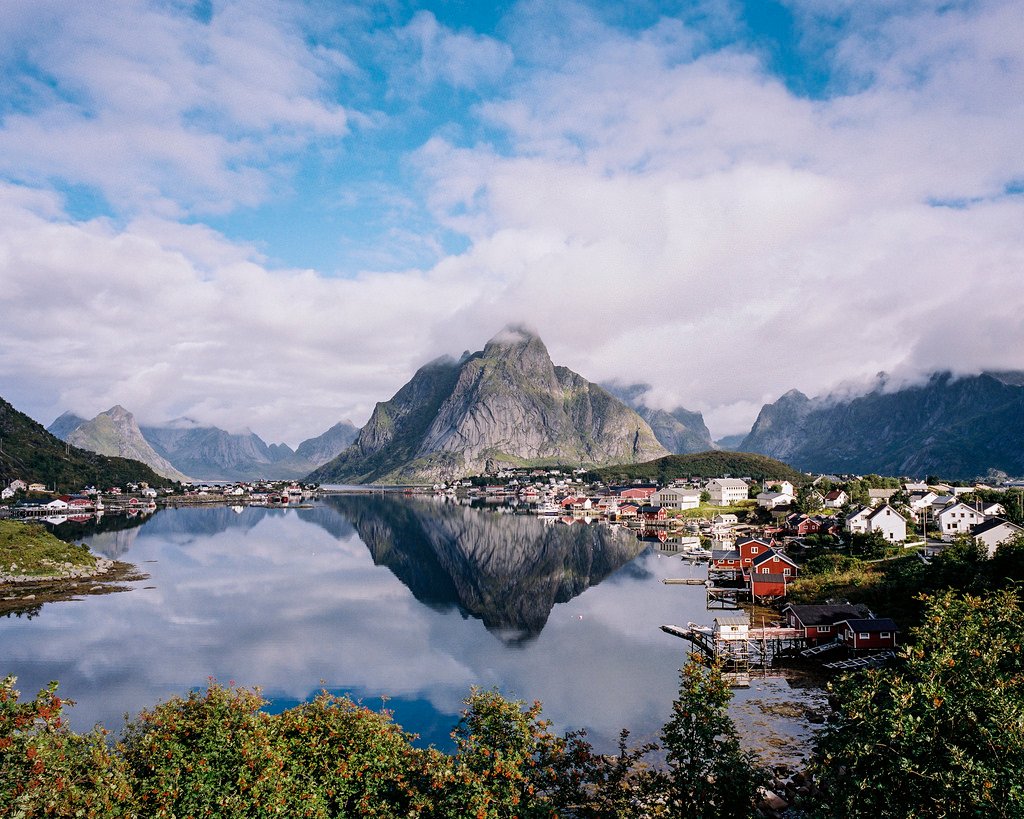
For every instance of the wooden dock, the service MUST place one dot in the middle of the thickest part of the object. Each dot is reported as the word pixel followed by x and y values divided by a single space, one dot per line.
pixel 683 581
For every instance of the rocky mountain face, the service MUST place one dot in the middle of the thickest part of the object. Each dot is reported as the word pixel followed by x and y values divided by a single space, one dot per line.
pixel 116 433
pixel 329 445
pixel 954 427
pixel 211 453
pixel 510 574
pixel 505 405
pixel 65 425
pixel 680 431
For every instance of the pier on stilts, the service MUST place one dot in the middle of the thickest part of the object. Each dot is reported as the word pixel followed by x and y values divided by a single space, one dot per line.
pixel 736 647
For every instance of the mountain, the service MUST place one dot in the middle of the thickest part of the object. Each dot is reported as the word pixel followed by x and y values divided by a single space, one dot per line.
pixel 29 452
pixel 65 425
pixel 509 573
pixel 730 442
pixel 953 427
pixel 116 433
pixel 712 464
pixel 211 453
pixel 505 405
pixel 329 445
pixel 680 431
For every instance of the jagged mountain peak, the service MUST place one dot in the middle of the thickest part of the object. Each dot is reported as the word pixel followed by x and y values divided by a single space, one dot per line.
pixel 507 404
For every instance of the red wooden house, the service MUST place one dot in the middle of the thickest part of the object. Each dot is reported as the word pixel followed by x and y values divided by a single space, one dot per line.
pixel 861 635
pixel 653 513
pixel 641 493
pixel 819 621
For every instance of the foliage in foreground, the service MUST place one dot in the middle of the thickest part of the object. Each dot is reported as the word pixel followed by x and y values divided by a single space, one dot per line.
pixel 217 753
pixel 941 733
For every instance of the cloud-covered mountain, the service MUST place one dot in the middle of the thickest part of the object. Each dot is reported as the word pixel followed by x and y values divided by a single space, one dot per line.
pixel 32 454
pixel 505 405
pixel 954 427
pixel 183 447
pixel 328 445
pixel 116 433
pixel 680 431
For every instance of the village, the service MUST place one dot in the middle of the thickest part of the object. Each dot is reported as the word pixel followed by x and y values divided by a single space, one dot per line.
pixel 748 534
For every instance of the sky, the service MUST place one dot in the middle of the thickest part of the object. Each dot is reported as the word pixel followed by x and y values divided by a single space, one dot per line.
pixel 268 215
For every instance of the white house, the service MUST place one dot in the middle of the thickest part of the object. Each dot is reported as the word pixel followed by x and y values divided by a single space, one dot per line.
pixel 878 496
pixel 923 501
pixel 728 519
pixel 784 486
pixel 674 497
pixel 726 491
pixel 6 493
pixel 915 488
pixel 836 498
pixel 957 519
pixel 771 500
pixel 857 521
pixel 993 532
pixel 889 522
pixel 993 510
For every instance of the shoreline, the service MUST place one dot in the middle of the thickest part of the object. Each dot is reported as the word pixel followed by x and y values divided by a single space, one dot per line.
pixel 27 594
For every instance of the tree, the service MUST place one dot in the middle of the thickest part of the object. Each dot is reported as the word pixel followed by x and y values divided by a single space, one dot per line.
pixel 709 774
pixel 48 770
pixel 940 733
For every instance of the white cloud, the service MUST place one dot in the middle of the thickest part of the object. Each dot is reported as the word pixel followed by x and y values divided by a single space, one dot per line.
pixel 160 111
pixel 658 211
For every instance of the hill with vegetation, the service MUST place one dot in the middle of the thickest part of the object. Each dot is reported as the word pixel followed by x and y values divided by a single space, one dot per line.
pixel 712 464
pixel 30 453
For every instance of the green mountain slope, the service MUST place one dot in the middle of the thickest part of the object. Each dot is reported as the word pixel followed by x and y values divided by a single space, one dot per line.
pixel 29 452
pixel 713 464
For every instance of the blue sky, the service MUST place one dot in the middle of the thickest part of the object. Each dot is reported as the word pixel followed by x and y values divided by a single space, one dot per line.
pixel 268 214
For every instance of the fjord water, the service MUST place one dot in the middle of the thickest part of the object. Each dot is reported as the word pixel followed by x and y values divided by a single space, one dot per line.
pixel 412 599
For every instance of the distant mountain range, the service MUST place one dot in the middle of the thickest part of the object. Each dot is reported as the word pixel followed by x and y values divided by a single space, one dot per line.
pixel 183 447
pixel 680 431
pixel 953 427
pixel 30 453
pixel 507 405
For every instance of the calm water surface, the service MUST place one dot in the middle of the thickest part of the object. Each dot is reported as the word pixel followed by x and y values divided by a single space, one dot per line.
pixel 413 599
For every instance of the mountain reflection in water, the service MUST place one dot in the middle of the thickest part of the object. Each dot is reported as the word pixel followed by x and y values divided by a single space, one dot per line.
pixel 507 570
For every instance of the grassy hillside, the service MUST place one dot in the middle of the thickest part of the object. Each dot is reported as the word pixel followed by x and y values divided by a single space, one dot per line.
pixel 29 452
pixel 29 549
pixel 712 464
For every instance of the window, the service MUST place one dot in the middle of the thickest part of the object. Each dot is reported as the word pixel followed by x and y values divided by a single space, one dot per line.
pixel 785 572
pixel 884 635
pixel 863 635
pixel 824 629
pixel 753 550
pixel 765 570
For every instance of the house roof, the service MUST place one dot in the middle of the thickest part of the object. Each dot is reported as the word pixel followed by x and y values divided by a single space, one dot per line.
pixel 882 509
pixel 885 494
pixel 835 494
pixel 827 614
pixel 770 578
pixel 732 620
pixel 865 511
pixel 725 554
pixel 993 523
pixel 728 483
pixel 877 624
pixel 764 556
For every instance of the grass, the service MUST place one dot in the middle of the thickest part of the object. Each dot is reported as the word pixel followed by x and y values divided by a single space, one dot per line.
pixel 707 511
pixel 29 549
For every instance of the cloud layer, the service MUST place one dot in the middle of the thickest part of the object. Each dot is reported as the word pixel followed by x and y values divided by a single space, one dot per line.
pixel 655 200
